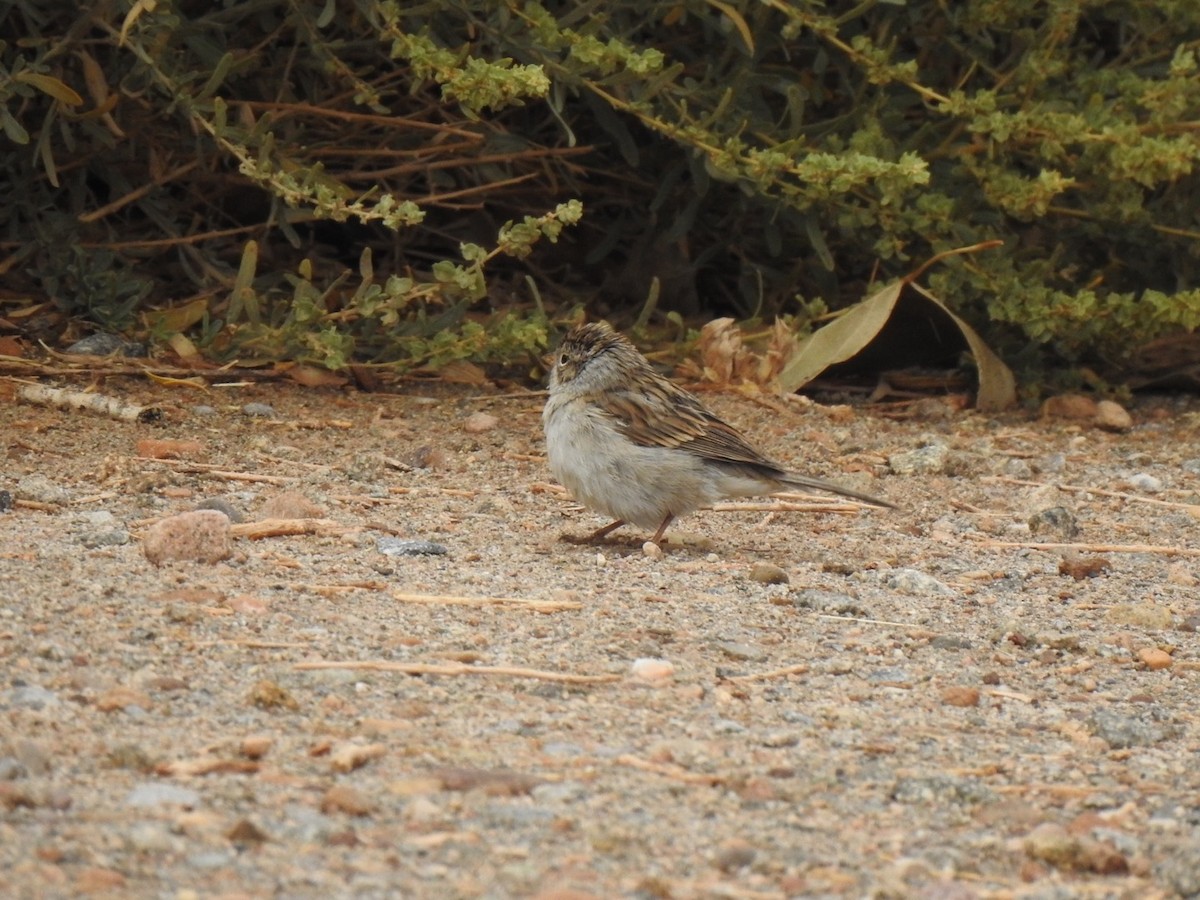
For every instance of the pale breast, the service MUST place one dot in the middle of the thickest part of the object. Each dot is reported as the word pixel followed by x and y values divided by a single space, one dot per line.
pixel 607 473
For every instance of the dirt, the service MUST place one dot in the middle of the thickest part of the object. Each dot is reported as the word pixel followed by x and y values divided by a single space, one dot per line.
pixel 938 703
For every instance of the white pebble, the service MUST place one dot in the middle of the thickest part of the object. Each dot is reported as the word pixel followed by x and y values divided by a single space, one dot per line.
pixel 1146 483
pixel 652 669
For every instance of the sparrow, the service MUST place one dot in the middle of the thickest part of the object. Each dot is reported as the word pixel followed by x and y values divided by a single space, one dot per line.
pixel 633 445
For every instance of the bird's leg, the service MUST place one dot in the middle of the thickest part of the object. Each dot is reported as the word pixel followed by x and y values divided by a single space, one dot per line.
pixel 662 529
pixel 601 533
pixel 598 534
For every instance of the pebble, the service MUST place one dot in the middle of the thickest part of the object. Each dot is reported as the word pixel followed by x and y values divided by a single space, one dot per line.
pixel 831 602
pixel 347 757
pixel 259 410
pixel 942 789
pixel 221 505
pixel 913 582
pixel 1112 416
pixel 565 792
pixel 109 537
pixel 734 650
pixel 32 696
pixel 1147 614
pixel 958 695
pixel 168 448
pixel 6 501
pixel 347 799
pixel 928 460
pixel 652 670
pixel 734 854
pixel 200 536
pixel 1154 659
pixel 1069 406
pixel 161 793
pixel 40 489
pixel 393 546
pixel 1051 463
pixel 651 550
pixel 152 837
pixel 290 505
pixel 1057 521
pixel 1122 731
pixel 255 746
pixel 203 409
pixel 766 573
pixel 478 423
pixel 1145 483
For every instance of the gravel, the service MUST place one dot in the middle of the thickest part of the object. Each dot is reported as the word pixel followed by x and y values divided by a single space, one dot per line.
pixel 911 703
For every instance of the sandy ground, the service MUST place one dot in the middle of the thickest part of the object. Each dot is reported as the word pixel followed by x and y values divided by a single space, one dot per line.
pixel 822 702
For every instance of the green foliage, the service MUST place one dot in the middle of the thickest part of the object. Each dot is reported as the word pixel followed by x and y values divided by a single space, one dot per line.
pixel 747 154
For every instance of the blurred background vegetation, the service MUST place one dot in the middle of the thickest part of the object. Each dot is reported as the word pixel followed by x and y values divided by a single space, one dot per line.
pixel 411 183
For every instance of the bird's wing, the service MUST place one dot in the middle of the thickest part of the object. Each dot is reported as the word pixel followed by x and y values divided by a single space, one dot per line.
pixel 663 415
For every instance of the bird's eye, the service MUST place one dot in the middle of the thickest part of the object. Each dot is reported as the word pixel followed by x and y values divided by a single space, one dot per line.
pixel 563 359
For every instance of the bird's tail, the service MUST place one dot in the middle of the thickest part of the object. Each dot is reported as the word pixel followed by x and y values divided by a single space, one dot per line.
pixel 803 481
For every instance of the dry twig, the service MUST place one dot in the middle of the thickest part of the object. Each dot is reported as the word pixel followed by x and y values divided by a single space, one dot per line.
pixel 457 669
pixel 541 606
pixel 64 398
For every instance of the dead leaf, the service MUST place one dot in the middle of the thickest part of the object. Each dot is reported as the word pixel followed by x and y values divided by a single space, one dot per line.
pixel 847 335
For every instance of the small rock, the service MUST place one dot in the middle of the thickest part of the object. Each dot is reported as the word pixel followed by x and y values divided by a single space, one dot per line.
pixel 1145 483
pixel 913 582
pixel 1057 521
pixel 346 799
pixel 221 505
pixel 830 602
pixel 245 833
pixel 651 550
pixel 40 489
pixel 1123 731
pixel 259 410
pixel 348 757
pixel 478 423
pixel 1112 416
pixel 159 793
pixel 766 573
pixel 111 537
pixel 122 698
pixel 1083 567
pixel 1051 463
pixel 269 695
pixel 32 696
pixel 652 670
pixel 152 837
pixel 734 650
pixel 154 448
pixel 392 546
pixel 256 746
pixel 734 854
pixel 203 409
pixel 1145 615
pixel 291 505
pixel 6 501
pixel 1155 659
pixel 201 536
pixel 958 695
pixel 928 460
pixel 1069 406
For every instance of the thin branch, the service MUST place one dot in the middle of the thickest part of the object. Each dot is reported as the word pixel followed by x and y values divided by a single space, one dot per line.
pixel 456 669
